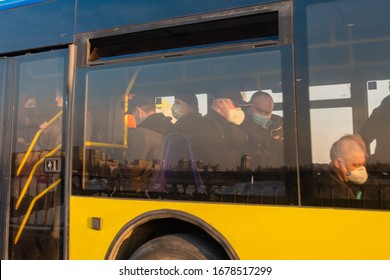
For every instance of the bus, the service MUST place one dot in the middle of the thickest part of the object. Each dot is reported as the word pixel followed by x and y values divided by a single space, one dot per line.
pixel 69 71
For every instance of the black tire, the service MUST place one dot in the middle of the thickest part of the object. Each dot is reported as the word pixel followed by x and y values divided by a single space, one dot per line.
pixel 176 247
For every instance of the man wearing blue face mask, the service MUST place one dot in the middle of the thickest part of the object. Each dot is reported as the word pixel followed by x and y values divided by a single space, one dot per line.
pixel 265 132
pixel 186 112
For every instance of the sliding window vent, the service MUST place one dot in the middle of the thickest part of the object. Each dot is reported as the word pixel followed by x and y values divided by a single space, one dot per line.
pixel 255 29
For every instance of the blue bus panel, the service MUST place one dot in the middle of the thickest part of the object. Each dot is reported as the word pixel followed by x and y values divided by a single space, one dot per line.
pixel 102 14
pixel 48 23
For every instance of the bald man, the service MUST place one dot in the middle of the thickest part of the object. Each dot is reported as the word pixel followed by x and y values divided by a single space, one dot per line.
pixel 348 159
pixel 345 183
pixel 265 132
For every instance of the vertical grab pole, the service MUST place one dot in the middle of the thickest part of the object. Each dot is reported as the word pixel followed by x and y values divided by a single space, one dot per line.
pixel 125 120
pixel 72 57
pixel 126 104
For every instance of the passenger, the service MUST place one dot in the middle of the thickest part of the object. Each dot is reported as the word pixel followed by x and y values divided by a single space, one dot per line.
pixel 218 139
pixel 145 140
pixel 377 127
pixel 27 126
pixel 185 109
pixel 52 134
pixel 265 132
pixel 347 177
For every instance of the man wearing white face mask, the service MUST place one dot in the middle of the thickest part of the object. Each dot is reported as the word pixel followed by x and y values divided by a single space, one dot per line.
pixel 218 139
pixel 347 171
pixel 347 183
pixel 348 159
pixel 265 132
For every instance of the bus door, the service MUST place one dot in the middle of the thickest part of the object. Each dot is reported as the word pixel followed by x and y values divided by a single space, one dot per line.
pixel 35 154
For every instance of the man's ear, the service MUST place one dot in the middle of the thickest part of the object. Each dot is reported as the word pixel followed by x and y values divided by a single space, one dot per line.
pixel 337 163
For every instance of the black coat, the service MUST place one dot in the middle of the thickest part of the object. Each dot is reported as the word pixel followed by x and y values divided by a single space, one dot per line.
pixel 330 190
pixel 215 141
pixel 185 124
pixel 144 142
pixel 265 144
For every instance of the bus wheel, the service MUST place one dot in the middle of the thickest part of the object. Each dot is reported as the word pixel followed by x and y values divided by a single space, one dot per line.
pixel 176 247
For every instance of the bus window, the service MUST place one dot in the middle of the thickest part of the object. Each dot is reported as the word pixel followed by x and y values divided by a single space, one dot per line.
pixel 215 160
pixel 346 78
pixel 37 134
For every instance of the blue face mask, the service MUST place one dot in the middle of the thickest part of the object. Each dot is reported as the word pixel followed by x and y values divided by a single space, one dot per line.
pixel 260 119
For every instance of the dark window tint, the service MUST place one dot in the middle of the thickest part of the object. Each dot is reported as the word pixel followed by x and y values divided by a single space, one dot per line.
pixel 231 30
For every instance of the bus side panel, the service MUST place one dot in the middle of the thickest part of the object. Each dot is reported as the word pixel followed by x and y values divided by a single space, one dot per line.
pixel 279 232
pixel 120 13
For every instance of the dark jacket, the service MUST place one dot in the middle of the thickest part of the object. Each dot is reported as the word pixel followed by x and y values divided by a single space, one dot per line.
pixel 144 142
pixel 330 190
pixel 215 141
pixel 378 127
pixel 26 132
pixel 184 124
pixel 265 144
pixel 52 135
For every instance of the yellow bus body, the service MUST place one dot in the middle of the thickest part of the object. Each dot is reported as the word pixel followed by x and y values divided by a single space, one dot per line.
pixel 254 231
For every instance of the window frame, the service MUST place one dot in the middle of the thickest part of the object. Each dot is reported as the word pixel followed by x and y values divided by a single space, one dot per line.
pixel 284 9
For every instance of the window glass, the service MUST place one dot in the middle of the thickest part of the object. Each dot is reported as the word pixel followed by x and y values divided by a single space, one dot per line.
pixel 327 92
pixel 376 92
pixel 178 128
pixel 324 124
pixel 37 134
pixel 346 88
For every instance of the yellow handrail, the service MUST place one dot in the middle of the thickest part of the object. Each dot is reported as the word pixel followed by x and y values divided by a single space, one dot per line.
pixel 31 207
pixel 107 145
pixel 27 184
pixel 34 141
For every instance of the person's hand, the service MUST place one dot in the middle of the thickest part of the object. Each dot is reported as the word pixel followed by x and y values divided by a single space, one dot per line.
pixel 21 140
pixel 43 125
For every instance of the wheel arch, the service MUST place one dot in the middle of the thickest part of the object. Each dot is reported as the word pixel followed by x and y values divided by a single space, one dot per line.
pixel 162 222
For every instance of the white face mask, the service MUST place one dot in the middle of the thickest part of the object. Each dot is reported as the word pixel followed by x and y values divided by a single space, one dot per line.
pixel 358 176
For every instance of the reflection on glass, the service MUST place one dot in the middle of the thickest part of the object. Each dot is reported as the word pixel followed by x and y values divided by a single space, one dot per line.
pixel 377 91
pixel 186 138
pixel 347 79
pixel 36 233
pixel 327 125
pixel 329 92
